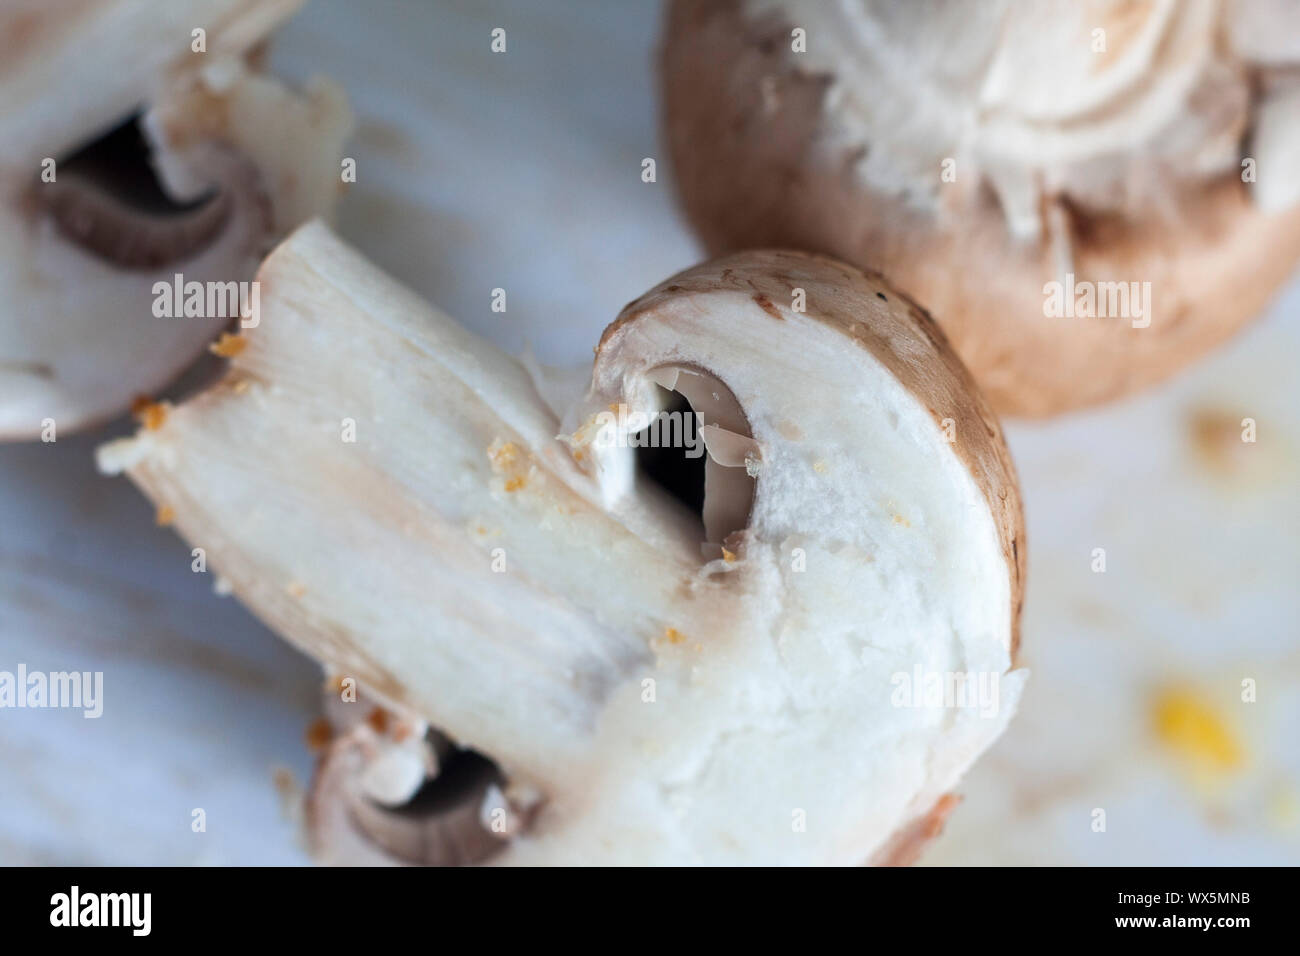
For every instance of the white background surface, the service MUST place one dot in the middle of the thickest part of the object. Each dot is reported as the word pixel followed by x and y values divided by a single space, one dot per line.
pixel 522 171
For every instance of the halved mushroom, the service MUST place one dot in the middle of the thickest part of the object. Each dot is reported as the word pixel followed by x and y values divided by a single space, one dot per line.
pixel 129 164
pixel 988 157
pixel 387 491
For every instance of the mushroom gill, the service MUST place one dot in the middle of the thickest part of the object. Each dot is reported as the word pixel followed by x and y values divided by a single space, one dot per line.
pixel 108 200
pixel 391 789
pixel 698 447
pixel 442 824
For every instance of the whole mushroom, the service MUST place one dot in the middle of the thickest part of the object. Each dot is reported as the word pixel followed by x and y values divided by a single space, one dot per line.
pixel 793 659
pixel 140 142
pixel 1022 168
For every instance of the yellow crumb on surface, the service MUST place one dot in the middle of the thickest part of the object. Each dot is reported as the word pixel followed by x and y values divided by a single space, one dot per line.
pixel 228 346
pixel 899 519
pixel 295 589
pixel 1193 728
pixel 239 386
pixel 164 516
pixel 514 484
pixel 820 467
pixel 674 636
pixel 728 556
pixel 148 413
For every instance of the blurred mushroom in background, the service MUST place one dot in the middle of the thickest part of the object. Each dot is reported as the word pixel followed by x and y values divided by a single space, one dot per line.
pixel 144 150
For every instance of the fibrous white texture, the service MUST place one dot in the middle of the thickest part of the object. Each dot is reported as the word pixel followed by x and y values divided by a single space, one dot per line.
pixel 1108 103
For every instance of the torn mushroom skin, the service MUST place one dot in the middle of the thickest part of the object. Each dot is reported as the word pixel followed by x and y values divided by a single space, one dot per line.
pixel 128 158
pixel 419 525
pixel 978 155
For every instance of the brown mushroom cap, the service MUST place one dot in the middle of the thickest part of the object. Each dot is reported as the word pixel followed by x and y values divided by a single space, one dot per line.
pixel 757 165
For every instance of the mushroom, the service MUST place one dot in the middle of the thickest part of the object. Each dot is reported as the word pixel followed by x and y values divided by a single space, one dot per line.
pixel 131 164
pixel 996 159
pixel 765 678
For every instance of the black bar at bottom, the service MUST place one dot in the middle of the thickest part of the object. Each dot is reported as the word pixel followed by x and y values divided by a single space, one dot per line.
pixel 305 905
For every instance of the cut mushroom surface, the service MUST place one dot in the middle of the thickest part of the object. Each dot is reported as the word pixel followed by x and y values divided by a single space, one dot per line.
pixel 979 154
pixel 418 524
pixel 132 165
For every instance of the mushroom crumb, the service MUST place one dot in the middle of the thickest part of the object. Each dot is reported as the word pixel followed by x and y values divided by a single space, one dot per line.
pixel 514 484
pixel 295 589
pixel 378 720
pixel 164 516
pixel 503 455
pixel 335 683
pixel 228 346
pixel 149 413
pixel 319 734
pixel 674 636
